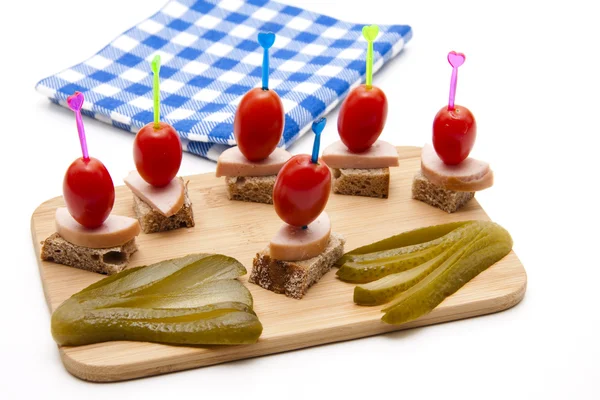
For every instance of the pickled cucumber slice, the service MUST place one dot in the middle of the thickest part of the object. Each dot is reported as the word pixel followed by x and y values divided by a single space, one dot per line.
pixel 494 243
pixel 361 273
pixel 385 289
pixel 199 296
pixel 212 268
pixel 376 268
pixel 224 323
pixel 191 300
pixel 378 255
pixel 414 237
pixel 131 279
pixel 207 266
pixel 109 279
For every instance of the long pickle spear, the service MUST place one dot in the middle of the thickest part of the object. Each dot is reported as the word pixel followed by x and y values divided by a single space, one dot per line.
pixel 449 277
pixel 133 279
pixel 208 293
pixel 224 323
pixel 108 279
pixel 404 239
pixel 385 289
pixel 368 272
pixel 212 268
pixel 142 278
pixel 373 269
pixel 190 300
pixel 378 255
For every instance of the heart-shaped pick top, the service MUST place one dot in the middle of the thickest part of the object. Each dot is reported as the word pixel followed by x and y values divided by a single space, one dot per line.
pixel 75 101
pixel 319 125
pixel 370 32
pixel 456 59
pixel 266 39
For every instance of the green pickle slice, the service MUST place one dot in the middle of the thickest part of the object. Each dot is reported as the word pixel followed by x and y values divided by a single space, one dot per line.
pixel 357 272
pixel 410 238
pixel 372 268
pixel 107 280
pixel 202 295
pixel 212 268
pixel 192 300
pixel 385 289
pixel 417 270
pixel 226 323
pixel 420 299
pixel 142 278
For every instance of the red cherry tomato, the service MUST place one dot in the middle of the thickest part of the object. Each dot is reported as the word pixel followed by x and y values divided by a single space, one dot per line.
pixel 89 192
pixel 258 123
pixel 362 118
pixel 301 190
pixel 454 133
pixel 157 153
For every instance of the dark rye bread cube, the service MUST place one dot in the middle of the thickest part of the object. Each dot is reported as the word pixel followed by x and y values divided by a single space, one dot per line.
pixel 444 199
pixel 153 221
pixel 293 278
pixel 371 182
pixel 103 261
pixel 256 189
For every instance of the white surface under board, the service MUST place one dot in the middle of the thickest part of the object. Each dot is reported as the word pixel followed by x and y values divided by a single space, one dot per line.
pixel 531 79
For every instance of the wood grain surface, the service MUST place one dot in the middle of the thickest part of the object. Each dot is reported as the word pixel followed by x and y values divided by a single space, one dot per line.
pixel 326 314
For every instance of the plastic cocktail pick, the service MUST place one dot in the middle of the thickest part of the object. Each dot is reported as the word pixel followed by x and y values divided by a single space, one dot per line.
pixel 156 90
pixel 370 32
pixel 266 40
pixel 317 128
pixel 75 102
pixel 456 60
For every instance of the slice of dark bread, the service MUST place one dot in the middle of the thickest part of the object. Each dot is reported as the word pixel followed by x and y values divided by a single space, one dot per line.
pixel 293 278
pixel 371 182
pixel 104 261
pixel 444 199
pixel 153 221
pixel 257 189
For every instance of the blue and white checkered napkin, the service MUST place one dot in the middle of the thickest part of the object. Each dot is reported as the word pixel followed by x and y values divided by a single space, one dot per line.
pixel 211 58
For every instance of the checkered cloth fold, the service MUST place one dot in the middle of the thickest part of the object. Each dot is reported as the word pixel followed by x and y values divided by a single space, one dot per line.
pixel 211 58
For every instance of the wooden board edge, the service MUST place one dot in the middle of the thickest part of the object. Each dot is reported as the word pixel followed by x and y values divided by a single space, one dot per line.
pixel 37 249
pixel 112 373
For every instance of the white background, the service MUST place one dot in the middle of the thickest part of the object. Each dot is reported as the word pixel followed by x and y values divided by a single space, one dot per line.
pixel 531 79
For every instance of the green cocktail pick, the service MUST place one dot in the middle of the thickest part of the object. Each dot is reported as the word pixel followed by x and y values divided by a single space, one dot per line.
pixel 156 90
pixel 370 32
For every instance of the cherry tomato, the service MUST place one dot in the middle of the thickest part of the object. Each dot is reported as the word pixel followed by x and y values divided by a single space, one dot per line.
pixel 454 133
pixel 362 118
pixel 157 153
pixel 258 123
pixel 301 190
pixel 89 192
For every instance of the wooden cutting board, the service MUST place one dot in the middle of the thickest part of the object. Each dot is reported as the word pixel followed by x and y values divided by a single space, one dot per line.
pixel 326 314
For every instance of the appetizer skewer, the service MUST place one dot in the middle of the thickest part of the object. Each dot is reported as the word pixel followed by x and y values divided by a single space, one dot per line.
pixel 359 162
pixel 87 235
pixel 161 201
pixel 449 178
pixel 304 248
pixel 250 168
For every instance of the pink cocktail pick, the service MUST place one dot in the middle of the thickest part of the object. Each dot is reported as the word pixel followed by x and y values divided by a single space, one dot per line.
pixel 456 60
pixel 75 102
